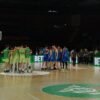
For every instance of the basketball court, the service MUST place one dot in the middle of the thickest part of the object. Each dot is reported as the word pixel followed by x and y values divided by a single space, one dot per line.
pixel 77 83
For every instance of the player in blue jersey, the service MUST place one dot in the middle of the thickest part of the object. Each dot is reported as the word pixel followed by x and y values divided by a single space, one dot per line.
pixel 56 57
pixel 50 58
pixel 65 57
pixel 59 59
pixel 53 57
pixel 45 54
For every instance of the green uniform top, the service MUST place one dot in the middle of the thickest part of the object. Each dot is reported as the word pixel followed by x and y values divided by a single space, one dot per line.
pixel 16 53
pixel 27 52
pixel 6 53
pixel 11 53
pixel 22 51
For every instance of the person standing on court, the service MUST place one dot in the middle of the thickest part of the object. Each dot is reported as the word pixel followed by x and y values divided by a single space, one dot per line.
pixel 86 56
pixel 65 57
pixel 73 57
pixel 5 59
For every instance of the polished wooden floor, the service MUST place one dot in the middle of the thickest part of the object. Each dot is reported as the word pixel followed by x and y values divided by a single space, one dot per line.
pixel 29 88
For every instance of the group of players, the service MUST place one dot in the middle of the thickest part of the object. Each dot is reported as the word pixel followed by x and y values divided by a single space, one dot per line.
pixel 16 59
pixel 55 57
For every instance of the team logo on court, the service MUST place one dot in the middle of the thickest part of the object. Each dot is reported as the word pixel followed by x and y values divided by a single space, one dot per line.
pixel 74 90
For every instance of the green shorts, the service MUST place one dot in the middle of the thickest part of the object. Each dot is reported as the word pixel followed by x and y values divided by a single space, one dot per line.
pixel 15 59
pixel 28 59
pixel 22 59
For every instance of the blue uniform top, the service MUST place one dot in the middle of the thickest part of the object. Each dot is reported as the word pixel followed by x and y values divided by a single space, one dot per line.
pixel 65 55
pixel 45 53
pixel 53 56
pixel 59 56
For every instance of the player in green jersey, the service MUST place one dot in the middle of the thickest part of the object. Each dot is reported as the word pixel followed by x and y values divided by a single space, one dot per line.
pixel 28 58
pixel 15 58
pixel 22 58
pixel 28 55
pixel 11 58
pixel 5 59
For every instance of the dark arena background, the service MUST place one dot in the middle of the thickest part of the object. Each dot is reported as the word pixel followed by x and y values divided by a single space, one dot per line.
pixel 38 23
pixel 49 49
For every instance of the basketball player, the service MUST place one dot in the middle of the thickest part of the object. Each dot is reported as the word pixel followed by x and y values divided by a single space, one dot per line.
pixel 22 58
pixel 45 61
pixel 28 53
pixel 53 57
pixel 5 59
pixel 56 57
pixel 11 58
pixel 16 58
pixel 50 58
pixel 73 57
pixel 65 57
pixel 59 57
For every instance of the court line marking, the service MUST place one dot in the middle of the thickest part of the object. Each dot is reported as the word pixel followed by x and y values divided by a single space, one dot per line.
pixel 33 97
